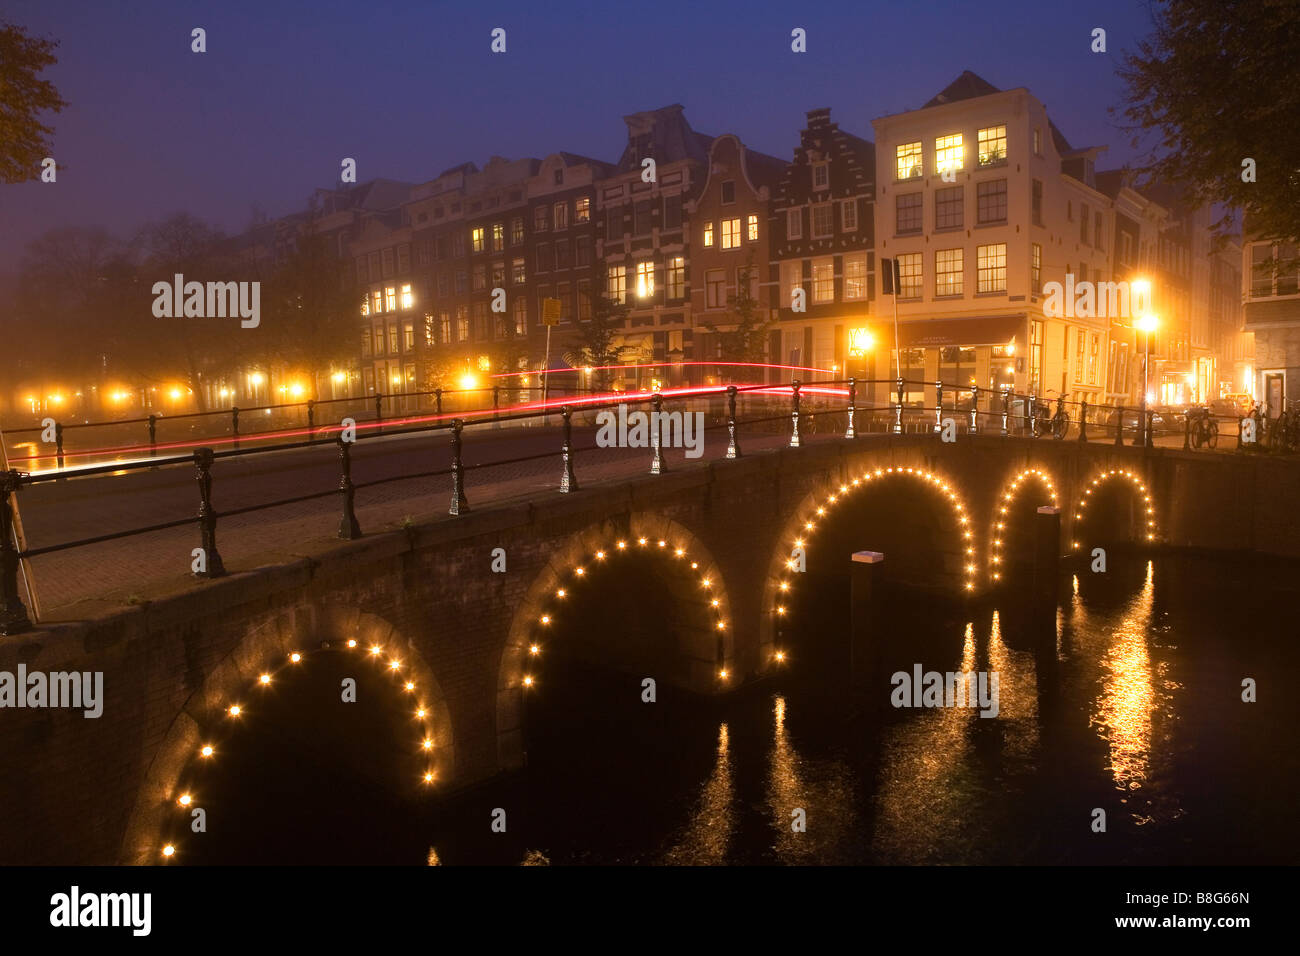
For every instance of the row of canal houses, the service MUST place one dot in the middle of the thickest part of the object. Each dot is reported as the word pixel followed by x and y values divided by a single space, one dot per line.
pixel 977 195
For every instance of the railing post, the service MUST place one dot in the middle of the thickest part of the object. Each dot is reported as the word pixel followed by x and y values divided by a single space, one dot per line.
pixel 1031 416
pixel 1083 419
pixel 568 482
pixel 974 409
pixel 437 399
pixel 656 419
pixel 794 413
pixel 234 426
pixel 898 409
pixel 459 503
pixel 496 404
pixel 311 418
pixel 853 406
pixel 1119 425
pixel 1187 433
pixel 1006 411
pixel 203 458
pixel 733 449
pixel 153 439
pixel 13 613
pixel 58 444
pixel 379 413
pixel 938 407
pixel 1241 426
pixel 348 526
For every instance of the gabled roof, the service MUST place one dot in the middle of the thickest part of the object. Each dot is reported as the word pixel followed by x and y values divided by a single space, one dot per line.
pixel 665 134
pixel 968 86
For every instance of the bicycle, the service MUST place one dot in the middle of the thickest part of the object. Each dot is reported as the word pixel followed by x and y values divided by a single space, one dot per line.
pixel 1061 420
pixel 1204 429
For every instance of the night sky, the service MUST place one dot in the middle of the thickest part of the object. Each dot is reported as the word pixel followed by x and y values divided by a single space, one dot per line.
pixel 286 90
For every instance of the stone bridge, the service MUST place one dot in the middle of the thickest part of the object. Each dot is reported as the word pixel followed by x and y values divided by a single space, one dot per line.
pixel 455 613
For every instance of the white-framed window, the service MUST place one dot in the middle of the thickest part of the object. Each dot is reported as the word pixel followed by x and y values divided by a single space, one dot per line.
pixel 618 284
pixel 849 214
pixel 992 144
pixel 407 297
pixel 823 280
pixel 498 236
pixel 676 276
pixel 991 264
pixel 516 230
pixel 909 275
pixel 752 228
pixel 855 277
pixel 390 298
pixel 1038 141
pixel 823 220
pixel 645 279
pixel 1036 267
pixel 708 234
pixel 948 272
pixel 582 209
pixel 731 233
pixel 476 239
pixel 948 153
pixel 908 162
pixel 821 175
pixel 521 315
pixel 794 223
pixel 517 274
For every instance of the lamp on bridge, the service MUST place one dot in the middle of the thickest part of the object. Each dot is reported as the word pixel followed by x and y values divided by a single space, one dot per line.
pixel 861 342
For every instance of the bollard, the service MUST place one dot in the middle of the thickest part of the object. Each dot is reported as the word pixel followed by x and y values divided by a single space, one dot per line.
pixel 379 413
pixel 568 482
pixel 864 613
pixel 974 409
pixel 853 401
pixel 1119 425
pixel 794 413
pixel 656 418
pixel 1083 420
pixel 938 407
pixel 459 503
pixel 203 459
pixel 13 613
pixel 348 526
pixel 1006 411
pixel 234 426
pixel 898 410
pixel 733 449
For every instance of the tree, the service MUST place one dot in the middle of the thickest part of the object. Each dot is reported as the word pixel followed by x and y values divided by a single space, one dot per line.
pixel 24 139
pixel 746 338
pixel 595 338
pixel 1215 86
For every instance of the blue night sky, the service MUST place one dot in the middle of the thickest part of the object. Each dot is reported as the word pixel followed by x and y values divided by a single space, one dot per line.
pixel 286 90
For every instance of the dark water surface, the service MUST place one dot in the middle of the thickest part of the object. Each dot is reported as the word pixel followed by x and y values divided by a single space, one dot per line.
pixel 1137 712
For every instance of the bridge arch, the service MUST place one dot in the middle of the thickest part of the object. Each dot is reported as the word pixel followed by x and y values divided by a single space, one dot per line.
pixel 279 648
pixel 1001 520
pixel 706 647
pixel 811 515
pixel 1142 522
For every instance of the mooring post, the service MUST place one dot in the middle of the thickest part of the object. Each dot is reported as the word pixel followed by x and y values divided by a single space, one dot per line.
pixel 348 526
pixel 1047 562
pixel 864 613
pixel 459 504
pixel 203 459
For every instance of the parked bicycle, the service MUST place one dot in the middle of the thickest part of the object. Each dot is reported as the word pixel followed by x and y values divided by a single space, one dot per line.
pixel 1061 420
pixel 1202 426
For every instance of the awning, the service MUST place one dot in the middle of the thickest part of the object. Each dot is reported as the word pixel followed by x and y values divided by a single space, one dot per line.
pixel 931 333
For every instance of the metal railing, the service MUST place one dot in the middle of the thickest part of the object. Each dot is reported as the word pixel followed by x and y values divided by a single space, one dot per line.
pixel 804 409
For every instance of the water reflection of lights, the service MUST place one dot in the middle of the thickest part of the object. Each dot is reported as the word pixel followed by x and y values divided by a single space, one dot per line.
pixel 707 836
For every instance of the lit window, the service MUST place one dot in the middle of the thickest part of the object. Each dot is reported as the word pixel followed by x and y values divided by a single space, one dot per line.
pixel 498 274
pixel 849 214
pixel 390 299
pixel 498 236
pixel 408 336
pixel 408 299
pixel 516 230
pixel 909 164
pixel 823 221
pixel 645 279
pixel 791 279
pixel 444 323
pixel 730 233
pixel 365 305
pixel 821 175
pixel 909 275
pixel 753 228
pixel 521 316
pixel 379 302
pixel 948 152
pixel 462 324
pixel 823 278
pixel 992 145
pixel 948 272
pixel 582 209
pixel 1038 141
pixel 708 234
pixel 476 239
pixel 855 277
pixel 794 224
pixel 1036 267
pixel 517 271
pixel 991 262
pixel 676 273
pixel 618 284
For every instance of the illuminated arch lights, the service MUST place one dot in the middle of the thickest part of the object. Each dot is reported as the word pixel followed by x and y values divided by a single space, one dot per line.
pixel 997 555
pixel 1080 513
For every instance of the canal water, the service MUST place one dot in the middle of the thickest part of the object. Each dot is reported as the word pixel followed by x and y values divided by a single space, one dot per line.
pixel 1133 707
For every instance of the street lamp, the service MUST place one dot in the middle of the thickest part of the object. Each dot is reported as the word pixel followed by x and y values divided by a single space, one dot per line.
pixel 1147 323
